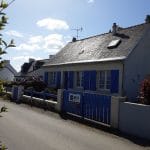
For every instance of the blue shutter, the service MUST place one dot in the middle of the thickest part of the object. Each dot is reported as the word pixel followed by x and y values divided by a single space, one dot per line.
pixel 89 80
pixel 86 80
pixel 114 81
pixel 92 80
pixel 66 80
pixel 70 79
pixel 58 79
pixel 46 77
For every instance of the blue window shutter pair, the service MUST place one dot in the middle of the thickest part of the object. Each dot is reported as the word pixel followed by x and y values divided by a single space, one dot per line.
pixel 46 77
pixel 89 80
pixel 114 81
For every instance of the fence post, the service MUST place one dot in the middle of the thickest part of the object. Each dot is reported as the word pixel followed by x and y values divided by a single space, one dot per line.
pixel 31 98
pixel 115 106
pixel 59 100
pixel 44 99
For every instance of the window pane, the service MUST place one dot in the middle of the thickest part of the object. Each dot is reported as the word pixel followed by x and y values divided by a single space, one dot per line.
pixel 108 79
pixel 52 77
pixel 79 79
pixel 102 79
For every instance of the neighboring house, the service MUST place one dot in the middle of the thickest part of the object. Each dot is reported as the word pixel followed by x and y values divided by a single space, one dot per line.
pixel 112 63
pixel 32 68
pixel 7 73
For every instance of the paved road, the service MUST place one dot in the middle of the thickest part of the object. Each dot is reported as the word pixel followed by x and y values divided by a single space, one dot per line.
pixel 26 128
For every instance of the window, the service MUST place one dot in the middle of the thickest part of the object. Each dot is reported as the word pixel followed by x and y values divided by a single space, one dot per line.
pixel 79 79
pixel 114 43
pixel 104 80
pixel 52 77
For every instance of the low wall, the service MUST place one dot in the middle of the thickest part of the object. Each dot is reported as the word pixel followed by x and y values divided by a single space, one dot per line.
pixel 46 104
pixel 134 119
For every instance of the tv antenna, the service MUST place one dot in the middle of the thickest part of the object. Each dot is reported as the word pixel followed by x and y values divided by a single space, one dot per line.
pixel 77 31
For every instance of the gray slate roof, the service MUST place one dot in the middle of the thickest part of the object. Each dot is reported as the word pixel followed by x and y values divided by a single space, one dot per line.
pixel 36 62
pixel 95 49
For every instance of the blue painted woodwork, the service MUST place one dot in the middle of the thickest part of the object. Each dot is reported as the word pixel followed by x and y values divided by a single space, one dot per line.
pixel 65 80
pixel 92 80
pixel 70 79
pixel 15 93
pixel 89 80
pixel 58 79
pixel 114 81
pixel 46 77
pixel 92 106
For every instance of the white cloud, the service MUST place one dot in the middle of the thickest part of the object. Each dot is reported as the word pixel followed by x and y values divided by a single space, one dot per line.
pixel 91 1
pixel 19 60
pixel 53 41
pixel 25 58
pixel 35 39
pixel 14 33
pixel 28 47
pixel 50 44
pixel 53 24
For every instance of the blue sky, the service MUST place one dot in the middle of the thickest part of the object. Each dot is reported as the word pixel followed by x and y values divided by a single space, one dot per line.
pixel 43 27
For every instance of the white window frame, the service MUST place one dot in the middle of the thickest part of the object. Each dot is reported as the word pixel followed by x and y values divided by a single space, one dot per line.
pixel 52 78
pixel 80 79
pixel 106 81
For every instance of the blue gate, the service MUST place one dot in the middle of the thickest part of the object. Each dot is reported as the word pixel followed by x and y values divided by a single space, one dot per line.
pixel 87 105
pixel 15 93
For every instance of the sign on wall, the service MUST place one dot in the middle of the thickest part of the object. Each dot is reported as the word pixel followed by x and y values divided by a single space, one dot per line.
pixel 75 98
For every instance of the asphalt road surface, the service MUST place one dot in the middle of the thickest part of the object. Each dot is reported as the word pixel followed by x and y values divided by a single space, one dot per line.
pixel 28 128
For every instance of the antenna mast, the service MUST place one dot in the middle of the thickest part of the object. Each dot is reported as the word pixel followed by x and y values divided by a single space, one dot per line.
pixel 77 30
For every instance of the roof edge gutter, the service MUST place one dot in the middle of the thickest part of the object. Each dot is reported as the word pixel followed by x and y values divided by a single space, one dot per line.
pixel 87 61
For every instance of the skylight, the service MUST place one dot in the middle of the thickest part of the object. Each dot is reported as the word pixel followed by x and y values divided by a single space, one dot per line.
pixel 114 43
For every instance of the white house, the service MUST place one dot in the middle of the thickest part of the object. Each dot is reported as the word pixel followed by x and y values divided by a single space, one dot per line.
pixel 112 63
pixel 7 73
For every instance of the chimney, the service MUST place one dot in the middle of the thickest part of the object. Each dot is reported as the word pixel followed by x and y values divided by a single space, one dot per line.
pixel 51 56
pixel 7 61
pixel 147 19
pixel 114 29
pixel 74 39
pixel 31 60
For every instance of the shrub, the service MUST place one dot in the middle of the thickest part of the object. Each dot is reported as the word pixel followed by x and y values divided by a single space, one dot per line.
pixel 51 90
pixel 34 83
pixel 1 87
pixel 145 91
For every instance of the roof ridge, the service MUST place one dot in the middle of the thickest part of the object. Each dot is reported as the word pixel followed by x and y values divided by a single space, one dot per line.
pixel 133 26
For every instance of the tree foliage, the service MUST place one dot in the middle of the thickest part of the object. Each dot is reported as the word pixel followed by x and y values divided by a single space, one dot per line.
pixel 3 22
pixel 145 91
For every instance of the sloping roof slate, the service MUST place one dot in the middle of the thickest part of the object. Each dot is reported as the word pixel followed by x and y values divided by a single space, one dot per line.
pixel 96 48
pixel 37 62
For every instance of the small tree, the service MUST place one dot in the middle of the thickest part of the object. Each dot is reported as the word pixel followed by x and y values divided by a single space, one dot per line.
pixel 3 21
pixel 145 91
pixel 3 44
